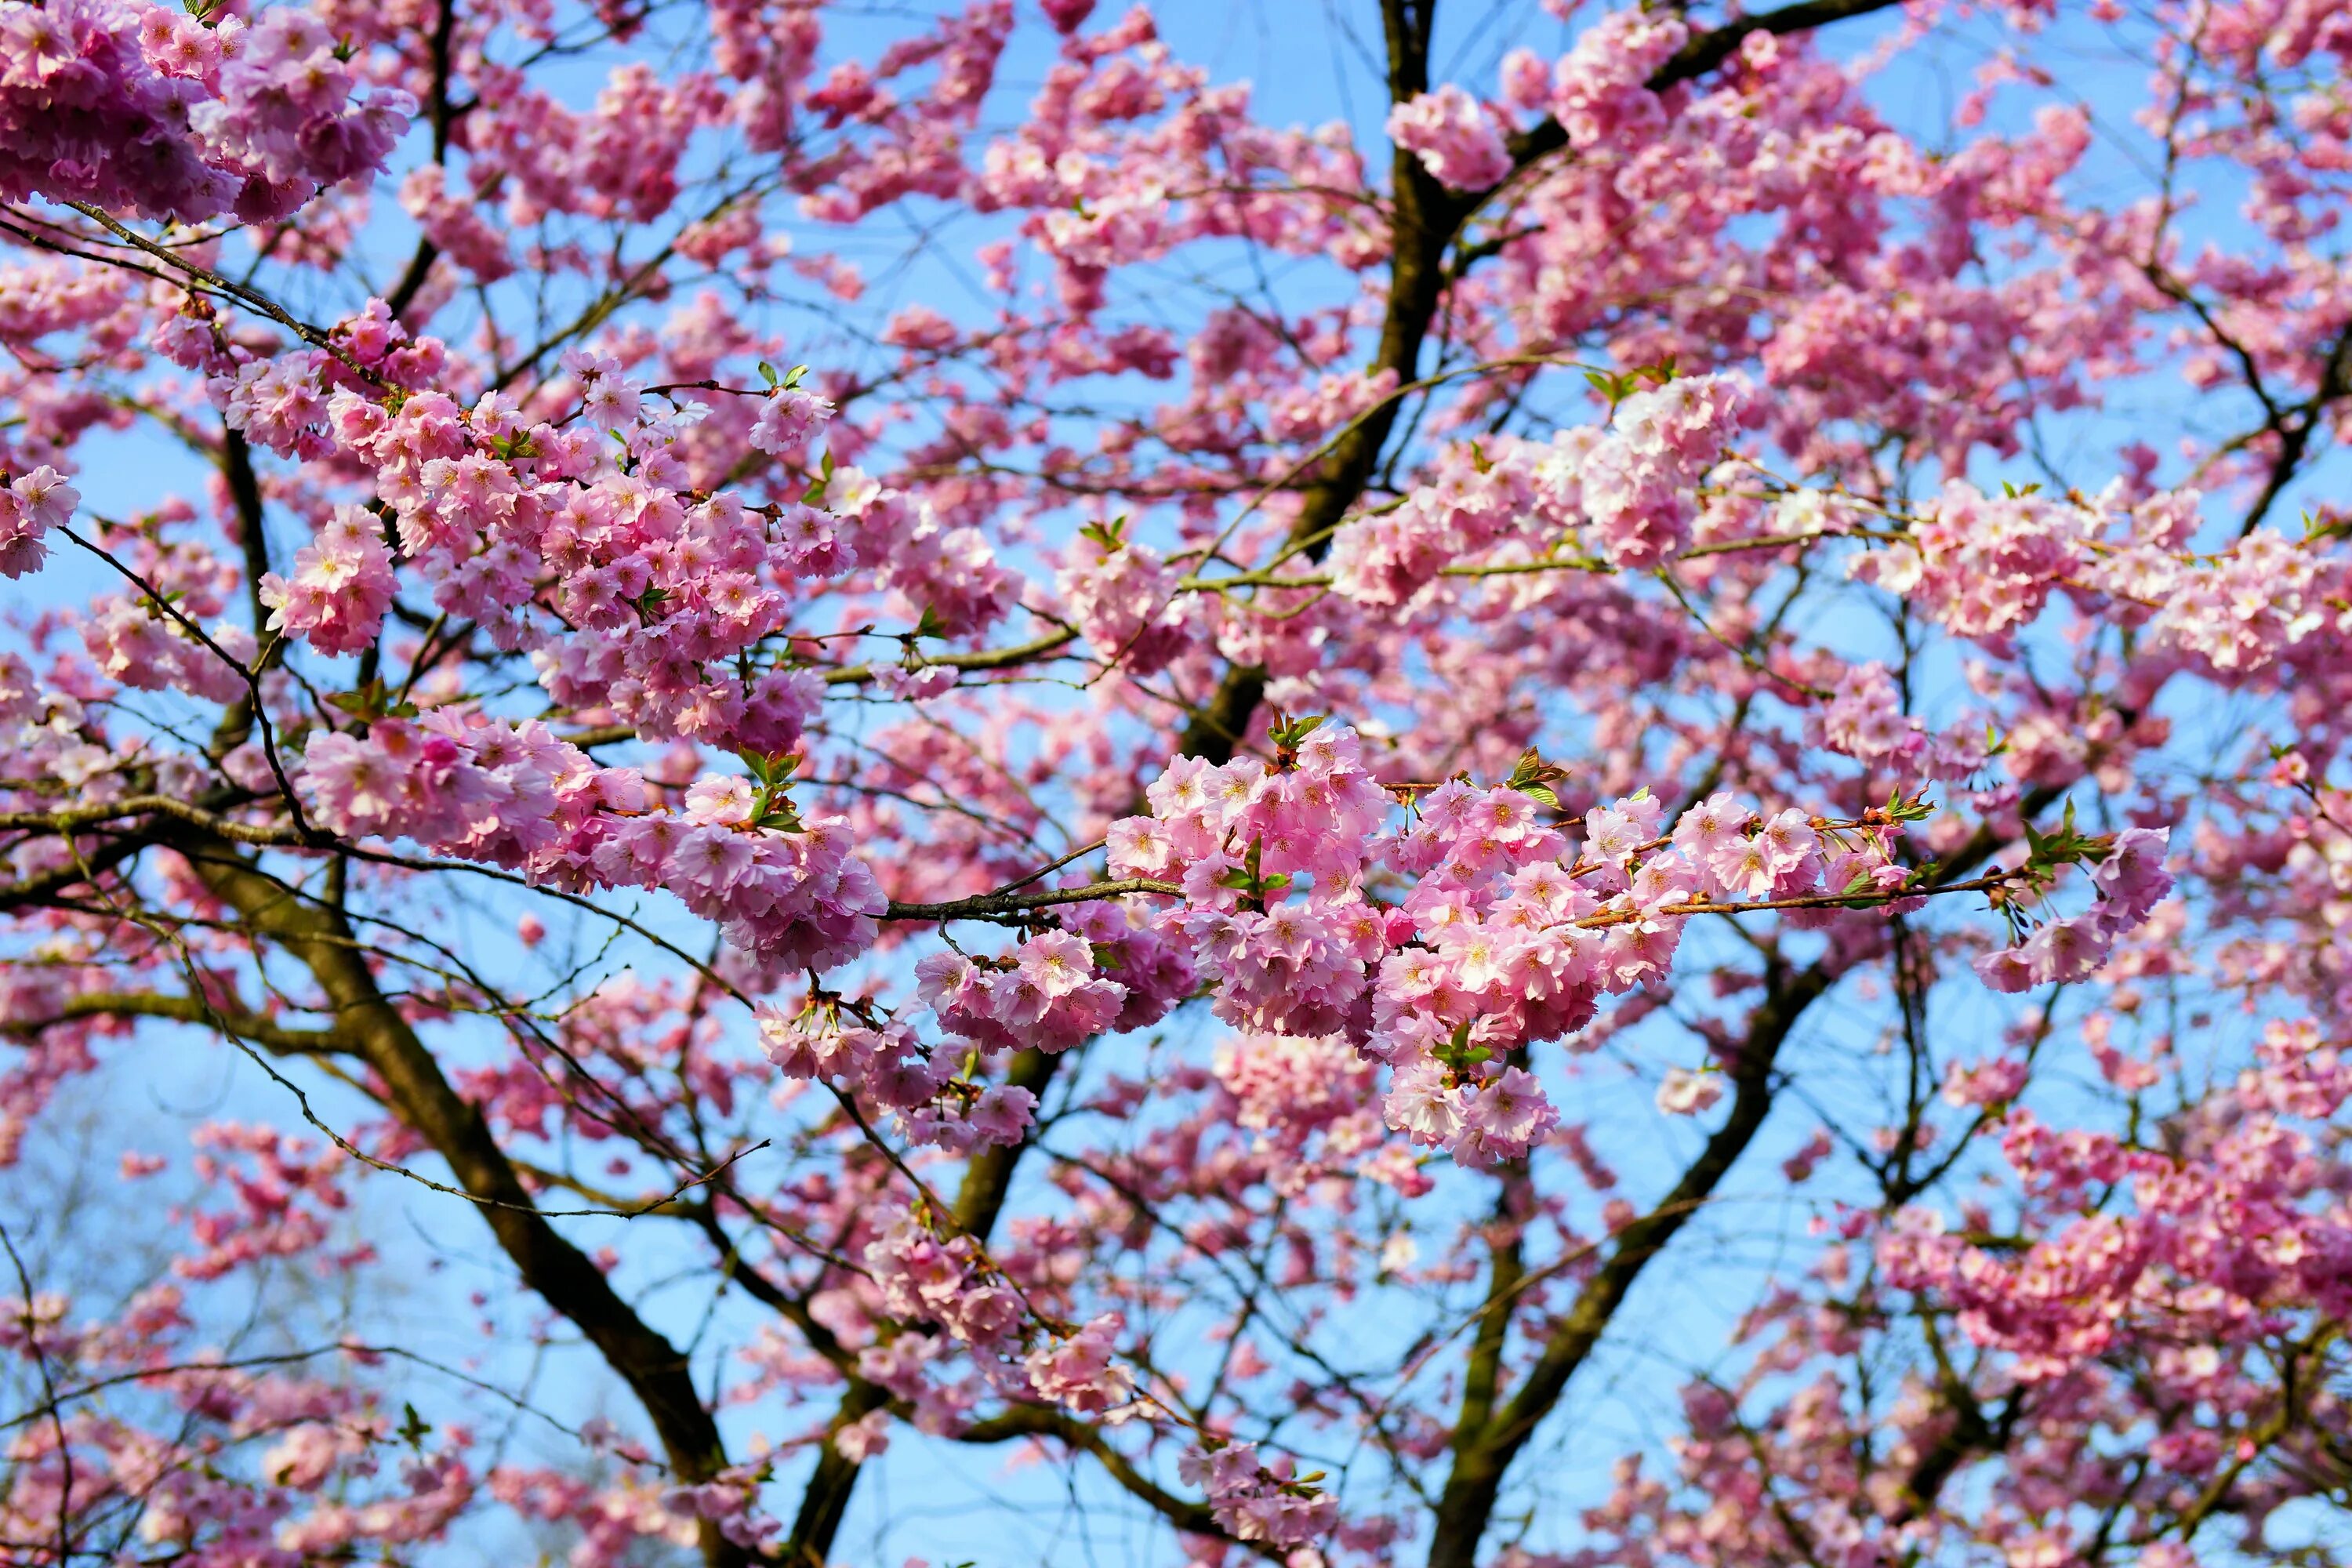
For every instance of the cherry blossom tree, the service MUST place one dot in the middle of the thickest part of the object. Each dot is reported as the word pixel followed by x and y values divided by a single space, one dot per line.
pixel 953 742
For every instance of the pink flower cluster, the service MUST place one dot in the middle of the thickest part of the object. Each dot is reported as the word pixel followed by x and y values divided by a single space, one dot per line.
pixel 1635 485
pixel 455 225
pixel 816 1043
pixel 1599 90
pixel 1050 995
pixel 892 1067
pixel 1081 1372
pixel 2206 1246
pixel 1289 966
pixel 1865 719
pixel 1259 1501
pixel 788 895
pixel 1456 137
pixel 789 419
pixel 1683 1092
pixel 1047 993
pixel 659 593
pixel 149 652
pixel 2256 603
pixel 141 108
pixel 1051 991
pixel 1638 484
pixel 1307 1100
pixel 30 505
pixel 730 1499
pixel 924 1280
pixel 503 792
pixel 1478 494
pixel 293 112
pixel 1984 565
pixel 280 1193
pixel 936 568
pixel 198 647
pixel 1503 937
pixel 278 404
pixel 1124 597
pixel 614 1518
pixel 343 583
pixel 792 898
pixel 2129 881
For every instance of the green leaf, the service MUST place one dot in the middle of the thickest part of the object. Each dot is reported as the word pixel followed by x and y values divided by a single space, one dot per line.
pixel 414 1428
pixel 1288 733
pixel 814 494
pixel 371 702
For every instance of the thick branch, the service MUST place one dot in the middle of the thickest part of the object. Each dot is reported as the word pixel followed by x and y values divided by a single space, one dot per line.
pixel 987 1179
pixel 1483 1457
pixel 1480 1463
pixel 655 1372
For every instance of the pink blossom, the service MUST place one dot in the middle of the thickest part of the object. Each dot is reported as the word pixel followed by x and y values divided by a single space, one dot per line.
pixel 1686 1093
pixel 30 506
pixel 1456 138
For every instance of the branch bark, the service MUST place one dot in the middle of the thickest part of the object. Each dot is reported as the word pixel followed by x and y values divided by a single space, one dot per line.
pixel 657 1372
pixel 1483 1457
pixel 987 1181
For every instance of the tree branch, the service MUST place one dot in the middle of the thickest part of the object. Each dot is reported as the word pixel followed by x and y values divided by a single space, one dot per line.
pixel 418 1093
